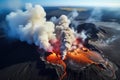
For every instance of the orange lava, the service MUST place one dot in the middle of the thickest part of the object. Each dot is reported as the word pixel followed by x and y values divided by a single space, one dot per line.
pixel 84 56
pixel 56 59
pixel 80 55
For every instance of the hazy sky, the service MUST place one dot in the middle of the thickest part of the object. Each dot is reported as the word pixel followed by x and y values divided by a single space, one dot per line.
pixel 75 2
pixel 101 3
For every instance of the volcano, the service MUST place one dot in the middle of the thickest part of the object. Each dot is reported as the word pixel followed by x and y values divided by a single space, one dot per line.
pixel 63 47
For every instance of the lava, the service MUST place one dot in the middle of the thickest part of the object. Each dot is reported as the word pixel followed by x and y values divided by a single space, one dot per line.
pixel 81 57
pixel 56 59
pixel 78 57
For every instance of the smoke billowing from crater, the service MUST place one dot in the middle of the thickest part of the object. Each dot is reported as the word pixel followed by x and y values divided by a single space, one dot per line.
pixel 31 26
pixel 63 45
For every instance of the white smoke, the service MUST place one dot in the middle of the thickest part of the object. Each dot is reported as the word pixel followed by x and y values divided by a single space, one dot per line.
pixel 95 16
pixel 111 39
pixel 82 35
pixel 112 25
pixel 31 26
pixel 67 36
pixel 54 19
pixel 73 15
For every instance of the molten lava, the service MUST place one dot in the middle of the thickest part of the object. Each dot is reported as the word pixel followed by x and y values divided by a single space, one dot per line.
pixel 81 56
pixel 56 59
pixel 84 55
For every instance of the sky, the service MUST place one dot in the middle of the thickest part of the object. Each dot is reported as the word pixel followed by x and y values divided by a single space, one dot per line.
pixel 95 3
pixel 76 2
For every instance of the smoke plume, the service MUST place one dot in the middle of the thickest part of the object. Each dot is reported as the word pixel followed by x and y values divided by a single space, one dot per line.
pixel 31 26
pixel 95 15
pixel 73 15
pixel 66 35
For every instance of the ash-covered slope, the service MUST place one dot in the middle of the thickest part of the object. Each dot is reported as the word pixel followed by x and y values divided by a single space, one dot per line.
pixel 19 61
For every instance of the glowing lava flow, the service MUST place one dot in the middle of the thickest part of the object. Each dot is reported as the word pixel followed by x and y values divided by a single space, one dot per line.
pixel 56 59
pixel 82 57
pixel 77 58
